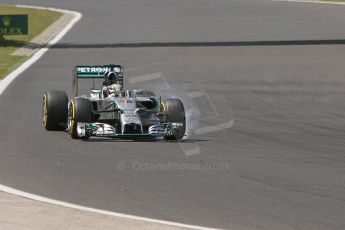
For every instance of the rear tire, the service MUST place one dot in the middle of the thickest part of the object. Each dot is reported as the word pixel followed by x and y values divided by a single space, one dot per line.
pixel 175 113
pixel 80 110
pixel 54 110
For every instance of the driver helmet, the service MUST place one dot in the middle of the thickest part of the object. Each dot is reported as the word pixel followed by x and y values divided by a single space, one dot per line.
pixel 110 78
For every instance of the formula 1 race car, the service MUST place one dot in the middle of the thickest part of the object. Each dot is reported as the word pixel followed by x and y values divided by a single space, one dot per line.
pixel 111 111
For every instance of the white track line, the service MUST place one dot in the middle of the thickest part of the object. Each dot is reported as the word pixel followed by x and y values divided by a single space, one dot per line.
pixel 98 211
pixel 13 75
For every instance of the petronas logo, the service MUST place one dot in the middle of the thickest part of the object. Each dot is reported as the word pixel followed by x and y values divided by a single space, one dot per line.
pixel 6 21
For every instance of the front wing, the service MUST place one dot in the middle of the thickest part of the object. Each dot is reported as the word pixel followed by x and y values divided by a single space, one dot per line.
pixel 106 130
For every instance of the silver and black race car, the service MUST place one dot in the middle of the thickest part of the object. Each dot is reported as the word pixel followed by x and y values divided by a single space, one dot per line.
pixel 117 113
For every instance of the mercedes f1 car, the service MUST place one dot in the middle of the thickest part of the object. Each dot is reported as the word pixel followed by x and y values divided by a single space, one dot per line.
pixel 110 111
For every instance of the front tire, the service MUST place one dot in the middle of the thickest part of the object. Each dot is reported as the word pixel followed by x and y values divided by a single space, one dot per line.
pixel 175 113
pixel 54 110
pixel 80 110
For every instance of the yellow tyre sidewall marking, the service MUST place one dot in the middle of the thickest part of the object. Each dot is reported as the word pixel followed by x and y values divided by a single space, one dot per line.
pixel 45 110
pixel 164 105
pixel 71 128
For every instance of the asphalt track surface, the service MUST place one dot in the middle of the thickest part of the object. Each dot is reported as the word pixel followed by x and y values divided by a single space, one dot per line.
pixel 274 69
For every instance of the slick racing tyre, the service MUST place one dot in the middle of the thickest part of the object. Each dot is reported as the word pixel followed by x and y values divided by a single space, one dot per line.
pixel 174 114
pixel 80 110
pixel 54 110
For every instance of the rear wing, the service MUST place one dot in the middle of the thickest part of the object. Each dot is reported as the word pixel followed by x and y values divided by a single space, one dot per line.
pixel 95 71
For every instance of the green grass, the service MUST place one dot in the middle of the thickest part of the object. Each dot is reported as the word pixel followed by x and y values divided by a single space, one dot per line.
pixel 39 20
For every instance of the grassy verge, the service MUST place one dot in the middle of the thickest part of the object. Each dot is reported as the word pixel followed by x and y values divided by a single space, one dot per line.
pixel 39 20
